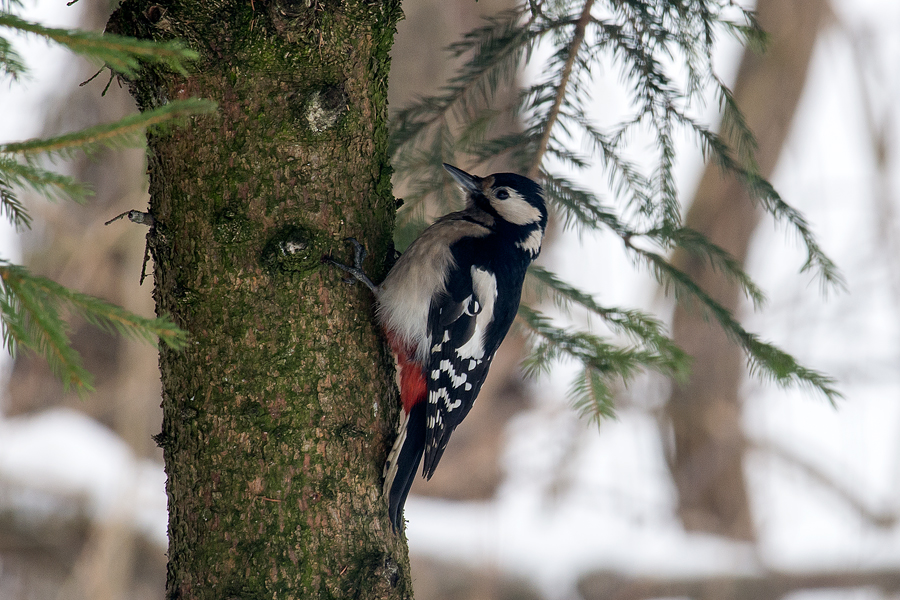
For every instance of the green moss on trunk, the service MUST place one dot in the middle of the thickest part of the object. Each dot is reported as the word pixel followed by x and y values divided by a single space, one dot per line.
pixel 277 416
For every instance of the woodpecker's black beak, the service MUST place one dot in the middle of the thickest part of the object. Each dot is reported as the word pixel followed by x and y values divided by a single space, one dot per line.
pixel 470 183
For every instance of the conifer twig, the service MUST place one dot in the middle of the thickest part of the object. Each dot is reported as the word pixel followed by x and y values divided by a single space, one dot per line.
pixel 126 131
pixel 663 50
pixel 553 115
pixel 33 309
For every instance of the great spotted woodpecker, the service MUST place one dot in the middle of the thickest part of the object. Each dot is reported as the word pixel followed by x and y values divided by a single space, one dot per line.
pixel 445 306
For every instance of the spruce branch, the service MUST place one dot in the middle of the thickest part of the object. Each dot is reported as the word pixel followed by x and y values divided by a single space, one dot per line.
pixel 718 258
pixel 518 147
pixel 639 326
pixel 669 208
pixel 816 260
pixel 28 321
pixel 764 359
pixel 12 208
pixel 11 63
pixel 49 184
pixel 734 125
pixel 121 54
pixel 496 49
pixel 592 396
pixel 762 192
pixel 126 132
pixel 605 362
pixel 663 51
pixel 553 114
pixel 31 307
pixel 585 347
pixel 625 177
pixel 580 208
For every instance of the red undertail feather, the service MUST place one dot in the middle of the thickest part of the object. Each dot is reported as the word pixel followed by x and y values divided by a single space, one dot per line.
pixel 404 458
pixel 411 377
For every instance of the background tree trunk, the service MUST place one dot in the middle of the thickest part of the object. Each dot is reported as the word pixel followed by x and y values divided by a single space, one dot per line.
pixel 278 415
pixel 704 414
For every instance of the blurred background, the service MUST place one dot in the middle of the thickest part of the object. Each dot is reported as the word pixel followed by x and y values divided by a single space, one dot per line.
pixel 722 488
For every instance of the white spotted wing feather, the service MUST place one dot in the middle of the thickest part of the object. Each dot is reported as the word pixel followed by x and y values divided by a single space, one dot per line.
pixel 458 364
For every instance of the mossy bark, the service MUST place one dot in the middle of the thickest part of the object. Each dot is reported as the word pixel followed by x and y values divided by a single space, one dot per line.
pixel 277 416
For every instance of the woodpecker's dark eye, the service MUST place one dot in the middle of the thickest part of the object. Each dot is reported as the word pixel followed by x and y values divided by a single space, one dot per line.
pixel 502 194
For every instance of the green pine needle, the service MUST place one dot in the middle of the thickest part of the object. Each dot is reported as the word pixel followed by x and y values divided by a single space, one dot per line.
pixel 592 396
pixel 638 326
pixel 552 343
pixel 30 308
pixel 12 208
pixel 48 184
pixel 765 359
pixel 121 54
pixel 580 208
pixel 11 64
pixel 126 132
pixel 719 259
pixel 662 51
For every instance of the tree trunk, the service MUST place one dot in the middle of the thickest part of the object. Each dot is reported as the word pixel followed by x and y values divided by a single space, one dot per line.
pixel 278 415
pixel 704 413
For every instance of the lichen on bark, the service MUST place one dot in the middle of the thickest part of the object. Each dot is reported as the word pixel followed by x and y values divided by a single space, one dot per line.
pixel 277 414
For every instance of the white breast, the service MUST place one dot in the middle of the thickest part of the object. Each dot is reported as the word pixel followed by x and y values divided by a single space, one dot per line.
pixel 404 298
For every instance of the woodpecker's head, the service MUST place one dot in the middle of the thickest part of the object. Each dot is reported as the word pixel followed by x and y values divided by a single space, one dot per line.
pixel 515 199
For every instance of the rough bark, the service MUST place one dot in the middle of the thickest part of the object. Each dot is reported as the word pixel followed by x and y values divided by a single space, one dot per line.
pixel 704 413
pixel 277 416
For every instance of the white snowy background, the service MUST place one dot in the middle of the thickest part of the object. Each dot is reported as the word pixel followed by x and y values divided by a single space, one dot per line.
pixel 616 510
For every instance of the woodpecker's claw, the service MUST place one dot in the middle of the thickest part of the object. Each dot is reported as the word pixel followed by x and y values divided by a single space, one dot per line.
pixel 359 252
pixel 359 255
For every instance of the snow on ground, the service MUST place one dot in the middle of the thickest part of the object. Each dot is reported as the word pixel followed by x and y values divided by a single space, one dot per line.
pixel 61 460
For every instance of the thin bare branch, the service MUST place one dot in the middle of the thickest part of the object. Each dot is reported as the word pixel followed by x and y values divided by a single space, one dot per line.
pixel 553 115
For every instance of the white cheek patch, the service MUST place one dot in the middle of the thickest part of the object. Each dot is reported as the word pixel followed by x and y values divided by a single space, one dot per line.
pixel 516 209
pixel 532 244
pixel 484 285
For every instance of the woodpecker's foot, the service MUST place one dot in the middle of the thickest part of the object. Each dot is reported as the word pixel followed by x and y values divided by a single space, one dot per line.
pixel 359 254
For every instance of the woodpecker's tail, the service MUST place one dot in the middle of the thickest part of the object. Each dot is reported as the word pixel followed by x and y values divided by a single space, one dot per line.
pixel 403 461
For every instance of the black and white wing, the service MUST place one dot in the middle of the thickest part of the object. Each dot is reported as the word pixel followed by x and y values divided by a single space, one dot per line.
pixel 459 356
